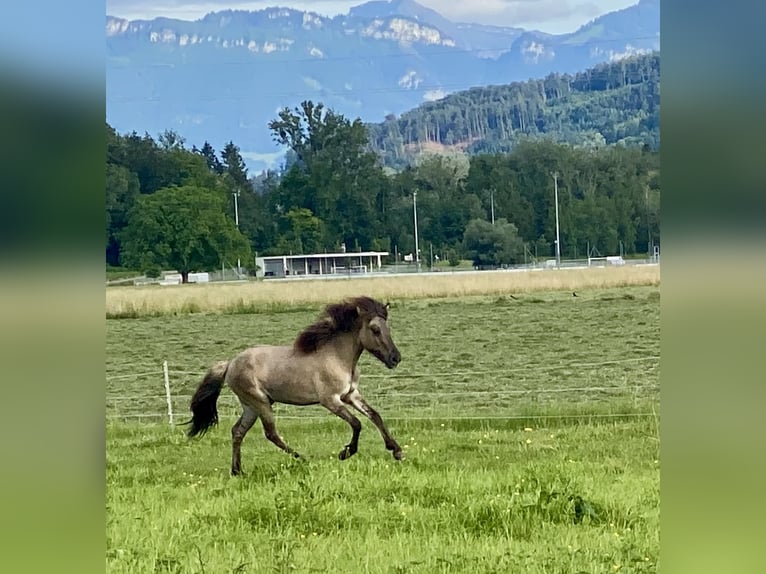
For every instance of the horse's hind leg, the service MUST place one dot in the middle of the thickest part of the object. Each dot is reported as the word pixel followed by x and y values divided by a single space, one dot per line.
pixel 238 432
pixel 270 430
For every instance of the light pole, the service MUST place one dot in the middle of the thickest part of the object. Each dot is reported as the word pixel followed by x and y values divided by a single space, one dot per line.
pixel 492 202
pixel 415 215
pixel 236 222
pixel 648 229
pixel 556 194
pixel 432 256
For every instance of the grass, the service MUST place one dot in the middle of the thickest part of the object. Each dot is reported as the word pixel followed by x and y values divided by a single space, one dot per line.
pixel 527 441
pixel 471 356
pixel 444 265
pixel 115 273
pixel 468 498
pixel 270 296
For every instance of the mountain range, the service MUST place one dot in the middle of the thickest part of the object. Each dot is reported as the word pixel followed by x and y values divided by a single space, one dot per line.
pixel 224 77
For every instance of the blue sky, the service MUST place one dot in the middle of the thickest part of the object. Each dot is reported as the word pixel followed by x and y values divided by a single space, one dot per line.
pixel 552 16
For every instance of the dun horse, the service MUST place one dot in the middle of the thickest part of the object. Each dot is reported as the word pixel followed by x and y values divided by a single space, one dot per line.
pixel 319 368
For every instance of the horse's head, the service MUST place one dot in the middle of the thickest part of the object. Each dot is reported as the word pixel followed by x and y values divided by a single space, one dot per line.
pixel 375 337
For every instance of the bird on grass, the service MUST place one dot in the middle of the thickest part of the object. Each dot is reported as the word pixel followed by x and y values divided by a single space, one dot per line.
pixel 574 294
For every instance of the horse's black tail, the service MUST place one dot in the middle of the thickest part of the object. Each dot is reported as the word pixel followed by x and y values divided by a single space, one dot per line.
pixel 204 412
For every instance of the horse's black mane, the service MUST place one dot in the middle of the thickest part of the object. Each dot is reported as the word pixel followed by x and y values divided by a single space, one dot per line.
pixel 338 318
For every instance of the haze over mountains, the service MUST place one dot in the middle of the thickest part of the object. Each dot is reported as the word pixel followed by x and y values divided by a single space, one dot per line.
pixel 222 78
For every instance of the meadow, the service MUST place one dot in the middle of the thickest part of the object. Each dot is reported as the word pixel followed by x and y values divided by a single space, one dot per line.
pixel 268 296
pixel 530 423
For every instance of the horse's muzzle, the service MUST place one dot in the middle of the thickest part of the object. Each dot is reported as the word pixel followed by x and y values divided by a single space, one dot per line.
pixel 394 359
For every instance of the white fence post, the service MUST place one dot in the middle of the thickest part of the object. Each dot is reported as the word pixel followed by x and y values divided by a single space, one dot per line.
pixel 167 391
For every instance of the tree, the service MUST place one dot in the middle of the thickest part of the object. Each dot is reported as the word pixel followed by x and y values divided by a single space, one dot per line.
pixel 184 228
pixel 491 245
pixel 170 140
pixel 122 188
pixel 444 209
pixel 234 166
pixel 334 174
pixel 213 163
pixel 453 257
pixel 305 232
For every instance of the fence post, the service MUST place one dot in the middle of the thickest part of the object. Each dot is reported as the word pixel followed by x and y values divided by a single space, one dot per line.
pixel 167 391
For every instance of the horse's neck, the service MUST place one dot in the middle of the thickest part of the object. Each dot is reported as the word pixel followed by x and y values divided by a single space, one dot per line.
pixel 348 349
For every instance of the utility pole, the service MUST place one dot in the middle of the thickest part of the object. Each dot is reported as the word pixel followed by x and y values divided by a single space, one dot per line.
pixel 415 212
pixel 492 202
pixel 556 194
pixel 236 222
pixel 648 229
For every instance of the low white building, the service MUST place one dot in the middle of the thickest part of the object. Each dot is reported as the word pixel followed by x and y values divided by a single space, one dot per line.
pixel 318 264
pixel 171 278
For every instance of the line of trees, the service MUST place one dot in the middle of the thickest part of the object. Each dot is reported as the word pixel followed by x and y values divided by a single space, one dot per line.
pixel 170 206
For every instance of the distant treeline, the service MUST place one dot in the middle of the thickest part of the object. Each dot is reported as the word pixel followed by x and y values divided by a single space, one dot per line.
pixel 171 206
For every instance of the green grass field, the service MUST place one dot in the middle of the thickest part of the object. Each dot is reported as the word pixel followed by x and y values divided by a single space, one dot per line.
pixel 530 429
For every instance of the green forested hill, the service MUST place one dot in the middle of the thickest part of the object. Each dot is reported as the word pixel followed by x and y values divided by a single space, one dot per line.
pixel 615 103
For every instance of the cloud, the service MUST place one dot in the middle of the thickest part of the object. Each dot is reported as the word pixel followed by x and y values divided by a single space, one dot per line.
pixel 433 95
pixel 259 161
pixel 534 51
pixel 312 83
pixel 409 80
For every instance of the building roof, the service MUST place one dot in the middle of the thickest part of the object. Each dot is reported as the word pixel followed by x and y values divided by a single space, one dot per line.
pixel 329 255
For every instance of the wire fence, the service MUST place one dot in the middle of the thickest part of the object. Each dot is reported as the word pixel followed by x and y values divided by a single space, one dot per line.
pixel 450 398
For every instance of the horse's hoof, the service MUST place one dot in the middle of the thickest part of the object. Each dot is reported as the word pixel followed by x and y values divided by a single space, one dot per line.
pixel 235 472
pixel 398 454
pixel 345 453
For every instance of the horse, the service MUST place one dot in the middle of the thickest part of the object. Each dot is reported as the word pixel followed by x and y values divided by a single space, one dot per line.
pixel 320 367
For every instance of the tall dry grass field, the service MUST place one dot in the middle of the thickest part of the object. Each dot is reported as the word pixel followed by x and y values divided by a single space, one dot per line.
pixel 258 296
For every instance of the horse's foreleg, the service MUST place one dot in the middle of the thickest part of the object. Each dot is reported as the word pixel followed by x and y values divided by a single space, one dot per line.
pixel 335 406
pixel 270 430
pixel 238 432
pixel 356 400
